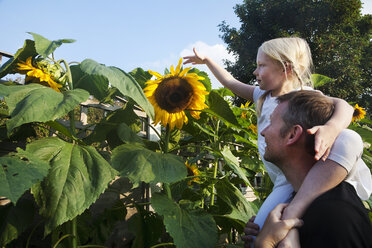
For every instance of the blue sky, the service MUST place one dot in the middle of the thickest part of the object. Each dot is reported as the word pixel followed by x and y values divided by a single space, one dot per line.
pixel 123 33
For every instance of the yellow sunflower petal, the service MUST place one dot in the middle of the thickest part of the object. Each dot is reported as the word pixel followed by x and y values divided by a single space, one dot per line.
pixel 154 73
pixel 178 69
pixel 184 71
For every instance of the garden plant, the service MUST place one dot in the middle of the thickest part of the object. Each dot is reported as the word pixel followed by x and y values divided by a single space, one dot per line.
pixel 54 171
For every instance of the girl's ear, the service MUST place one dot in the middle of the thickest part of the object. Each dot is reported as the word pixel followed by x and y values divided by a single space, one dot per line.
pixel 288 67
pixel 294 134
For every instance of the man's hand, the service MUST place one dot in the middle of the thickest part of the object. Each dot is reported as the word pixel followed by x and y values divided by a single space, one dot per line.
pixel 275 229
pixel 251 229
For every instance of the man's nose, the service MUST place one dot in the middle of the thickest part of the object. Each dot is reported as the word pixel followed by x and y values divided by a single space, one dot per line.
pixel 263 132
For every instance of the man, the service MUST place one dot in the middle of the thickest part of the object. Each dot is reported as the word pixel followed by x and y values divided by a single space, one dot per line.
pixel 335 219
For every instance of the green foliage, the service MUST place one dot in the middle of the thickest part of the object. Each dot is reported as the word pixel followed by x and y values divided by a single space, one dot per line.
pixel 142 165
pixel 19 172
pixel 15 219
pixel 45 47
pixel 24 104
pixel 188 227
pixel 67 175
pixel 123 81
pixel 78 175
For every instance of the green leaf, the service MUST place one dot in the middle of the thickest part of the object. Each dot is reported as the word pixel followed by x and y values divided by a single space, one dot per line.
pixel 28 50
pixel 96 85
pixel 141 76
pixel 142 165
pixel 220 108
pixel 147 227
pixel 320 80
pixel 15 219
pixel 122 81
pixel 126 134
pixel 233 163
pixel 77 177
pixel 44 47
pixel 188 228
pixel 19 172
pixel 36 103
pixel 237 206
pixel 206 81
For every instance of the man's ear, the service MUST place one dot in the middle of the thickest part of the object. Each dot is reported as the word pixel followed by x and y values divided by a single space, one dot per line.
pixel 294 134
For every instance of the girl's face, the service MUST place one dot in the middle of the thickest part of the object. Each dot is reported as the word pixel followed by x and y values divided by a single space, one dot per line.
pixel 269 73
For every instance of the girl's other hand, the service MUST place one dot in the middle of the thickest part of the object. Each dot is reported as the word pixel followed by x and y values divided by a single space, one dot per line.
pixel 251 229
pixel 325 136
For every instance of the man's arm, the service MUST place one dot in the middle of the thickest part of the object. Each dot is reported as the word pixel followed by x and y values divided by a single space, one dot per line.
pixel 275 229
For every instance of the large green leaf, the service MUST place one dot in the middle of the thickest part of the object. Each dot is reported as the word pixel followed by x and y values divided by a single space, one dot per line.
pixel 141 76
pixel 236 205
pixel 19 172
pixel 28 50
pixel 142 165
pixel 320 80
pixel 44 47
pixel 220 108
pixel 188 228
pixel 36 103
pixel 127 135
pixel 233 163
pixel 15 219
pixel 124 82
pixel 96 85
pixel 78 175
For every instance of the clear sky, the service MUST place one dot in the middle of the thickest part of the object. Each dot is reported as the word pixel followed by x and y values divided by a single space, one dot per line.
pixel 123 33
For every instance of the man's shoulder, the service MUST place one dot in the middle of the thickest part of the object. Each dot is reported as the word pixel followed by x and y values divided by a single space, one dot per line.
pixel 337 216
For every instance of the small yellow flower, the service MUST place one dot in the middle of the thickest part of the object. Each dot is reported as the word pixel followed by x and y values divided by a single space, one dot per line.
pixel 359 113
pixel 173 93
pixel 253 128
pixel 37 75
pixel 192 170
pixel 244 113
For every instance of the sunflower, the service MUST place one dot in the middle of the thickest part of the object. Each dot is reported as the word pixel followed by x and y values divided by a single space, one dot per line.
pixel 244 113
pixel 359 113
pixel 37 75
pixel 173 93
pixel 253 128
pixel 192 170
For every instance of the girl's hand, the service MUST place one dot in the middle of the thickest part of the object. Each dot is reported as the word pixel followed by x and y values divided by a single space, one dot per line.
pixel 196 59
pixel 251 229
pixel 325 136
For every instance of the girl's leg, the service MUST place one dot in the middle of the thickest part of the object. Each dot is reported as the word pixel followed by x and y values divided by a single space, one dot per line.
pixel 280 194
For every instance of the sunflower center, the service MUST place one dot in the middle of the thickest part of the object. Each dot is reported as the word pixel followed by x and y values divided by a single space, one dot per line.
pixel 174 95
pixel 356 112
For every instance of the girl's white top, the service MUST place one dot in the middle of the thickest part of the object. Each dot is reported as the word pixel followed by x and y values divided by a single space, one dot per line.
pixel 359 175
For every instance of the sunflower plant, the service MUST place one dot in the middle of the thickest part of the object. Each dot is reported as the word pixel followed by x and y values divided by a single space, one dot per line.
pixel 203 152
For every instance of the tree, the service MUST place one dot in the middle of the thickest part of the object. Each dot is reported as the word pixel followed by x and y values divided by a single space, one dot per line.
pixel 338 35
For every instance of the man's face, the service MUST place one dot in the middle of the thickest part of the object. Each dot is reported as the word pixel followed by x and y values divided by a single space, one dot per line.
pixel 275 143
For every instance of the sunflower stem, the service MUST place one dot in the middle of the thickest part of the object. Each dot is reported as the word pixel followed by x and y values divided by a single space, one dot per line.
pixel 214 176
pixel 165 150
pixel 69 75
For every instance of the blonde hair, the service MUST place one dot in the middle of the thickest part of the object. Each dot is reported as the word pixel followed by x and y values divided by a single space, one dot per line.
pixel 292 52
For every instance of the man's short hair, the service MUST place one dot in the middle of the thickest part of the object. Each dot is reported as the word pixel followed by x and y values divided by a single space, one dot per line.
pixel 307 108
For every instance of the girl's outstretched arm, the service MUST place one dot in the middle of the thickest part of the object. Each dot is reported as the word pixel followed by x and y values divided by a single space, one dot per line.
pixel 326 134
pixel 224 77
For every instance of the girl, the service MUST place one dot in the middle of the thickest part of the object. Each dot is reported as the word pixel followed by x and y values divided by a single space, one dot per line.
pixel 283 65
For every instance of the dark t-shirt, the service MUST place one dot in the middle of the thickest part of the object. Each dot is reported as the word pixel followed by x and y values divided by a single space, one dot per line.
pixel 337 218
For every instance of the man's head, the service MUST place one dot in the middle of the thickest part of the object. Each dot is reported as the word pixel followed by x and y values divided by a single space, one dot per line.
pixel 296 112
